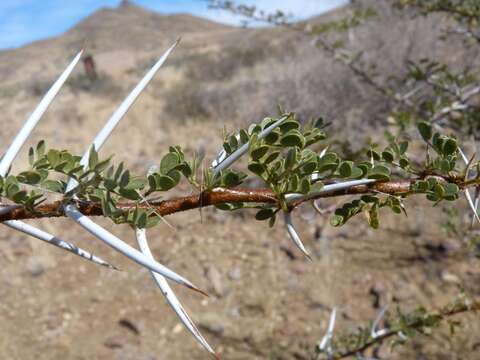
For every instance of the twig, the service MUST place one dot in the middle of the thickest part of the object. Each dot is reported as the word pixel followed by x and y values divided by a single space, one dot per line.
pixel 442 314
pixel 218 196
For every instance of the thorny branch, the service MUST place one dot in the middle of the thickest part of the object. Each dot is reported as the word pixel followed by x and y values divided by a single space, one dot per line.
pixel 215 196
pixel 416 324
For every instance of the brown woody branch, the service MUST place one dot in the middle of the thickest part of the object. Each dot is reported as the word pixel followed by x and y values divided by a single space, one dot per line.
pixel 215 196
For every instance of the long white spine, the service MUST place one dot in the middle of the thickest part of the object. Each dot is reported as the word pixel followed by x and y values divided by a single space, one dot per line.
pixel 237 154
pixel 96 230
pixel 141 235
pixel 36 115
pixel 122 247
pixel 13 151
pixel 53 240
pixel 120 112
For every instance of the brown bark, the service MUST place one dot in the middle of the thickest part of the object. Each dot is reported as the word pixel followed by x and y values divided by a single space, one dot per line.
pixel 212 197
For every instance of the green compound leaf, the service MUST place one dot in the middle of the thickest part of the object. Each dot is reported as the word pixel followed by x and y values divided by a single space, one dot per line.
pixel 29 177
pixel 231 178
pixel 31 156
pixel 256 168
pixel 110 184
pixel 404 162
pixel 272 138
pixel 124 179
pixel 309 167
pixel 129 194
pixel 92 158
pixel 169 162
pixel 420 186
pixel 54 185
pixel 272 157
pixel 135 184
pixel 373 220
pixel 264 214
pixel 233 142
pixel 305 186
pixel 328 163
pixel 372 154
pixel 286 126
pixel 244 137
pixel 403 147
pixel 345 169
pixel 379 172
pixel 449 147
pixel 164 182
pixel 336 220
pixel 356 172
pixel 425 130
pixel 259 152
pixel 41 148
pixel 388 155
pixel 293 138
pixel 291 158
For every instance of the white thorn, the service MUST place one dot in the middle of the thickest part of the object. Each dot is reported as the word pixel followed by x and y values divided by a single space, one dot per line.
pixel 121 111
pixel 169 294
pixel 324 151
pixel 331 187
pixel 315 176
pixel 325 343
pixel 294 235
pixel 95 229
pixel 472 205
pixel 374 332
pixel 9 208
pixel 122 247
pixel 317 208
pixel 36 115
pixel 53 240
pixel 220 157
pixel 15 147
pixel 476 206
pixel 237 154
pixel 464 157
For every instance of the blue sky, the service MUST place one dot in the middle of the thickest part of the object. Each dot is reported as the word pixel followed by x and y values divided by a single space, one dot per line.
pixel 24 21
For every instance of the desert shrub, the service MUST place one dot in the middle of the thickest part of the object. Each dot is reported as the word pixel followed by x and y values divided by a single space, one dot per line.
pixel 212 81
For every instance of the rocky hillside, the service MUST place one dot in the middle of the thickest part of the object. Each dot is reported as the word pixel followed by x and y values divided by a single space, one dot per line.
pixel 267 302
